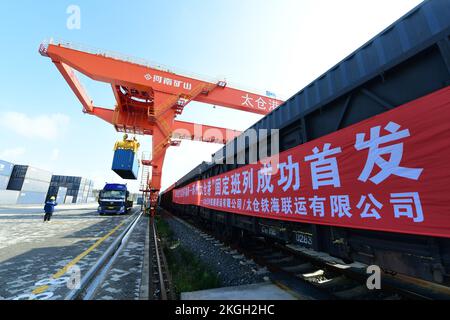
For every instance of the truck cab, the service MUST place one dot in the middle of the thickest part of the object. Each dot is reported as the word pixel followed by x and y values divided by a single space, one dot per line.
pixel 114 199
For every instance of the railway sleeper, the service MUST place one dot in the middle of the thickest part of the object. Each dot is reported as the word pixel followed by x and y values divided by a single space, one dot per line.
pixel 358 292
pixel 302 268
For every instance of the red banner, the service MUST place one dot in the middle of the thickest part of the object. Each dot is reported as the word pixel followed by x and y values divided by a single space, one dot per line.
pixel 390 172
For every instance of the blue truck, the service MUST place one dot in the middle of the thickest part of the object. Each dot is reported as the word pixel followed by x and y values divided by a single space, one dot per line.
pixel 114 199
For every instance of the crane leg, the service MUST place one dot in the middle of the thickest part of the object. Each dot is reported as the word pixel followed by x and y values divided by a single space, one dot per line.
pixel 159 147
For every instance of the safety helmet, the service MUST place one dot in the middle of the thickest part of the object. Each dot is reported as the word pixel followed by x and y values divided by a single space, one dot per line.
pixel 52 198
pixel 125 136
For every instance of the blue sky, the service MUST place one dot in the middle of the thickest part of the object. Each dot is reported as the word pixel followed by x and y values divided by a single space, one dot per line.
pixel 276 45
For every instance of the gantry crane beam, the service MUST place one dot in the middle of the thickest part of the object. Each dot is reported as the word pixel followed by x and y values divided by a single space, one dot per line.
pixel 191 131
pixel 72 80
pixel 181 129
pixel 148 99
pixel 105 69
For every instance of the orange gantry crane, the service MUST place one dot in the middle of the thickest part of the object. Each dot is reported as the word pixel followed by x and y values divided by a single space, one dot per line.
pixel 149 98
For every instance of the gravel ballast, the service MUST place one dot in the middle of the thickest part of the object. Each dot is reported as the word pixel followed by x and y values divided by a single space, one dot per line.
pixel 231 269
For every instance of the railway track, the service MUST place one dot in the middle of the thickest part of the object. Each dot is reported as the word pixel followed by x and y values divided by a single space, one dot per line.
pixel 159 281
pixel 315 275
pixel 335 278
pixel 160 285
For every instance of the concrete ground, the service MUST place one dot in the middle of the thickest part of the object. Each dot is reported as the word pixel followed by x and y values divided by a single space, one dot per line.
pixel 258 291
pixel 40 260
pixel 125 280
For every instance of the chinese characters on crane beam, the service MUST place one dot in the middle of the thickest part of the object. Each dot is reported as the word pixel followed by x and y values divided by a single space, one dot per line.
pixel 168 81
pixel 258 102
pixel 250 101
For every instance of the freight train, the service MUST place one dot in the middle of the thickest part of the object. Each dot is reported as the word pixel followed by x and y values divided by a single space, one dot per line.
pixel 363 162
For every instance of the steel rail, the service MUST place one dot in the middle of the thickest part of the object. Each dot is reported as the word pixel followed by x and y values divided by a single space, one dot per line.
pixel 158 261
pixel 97 273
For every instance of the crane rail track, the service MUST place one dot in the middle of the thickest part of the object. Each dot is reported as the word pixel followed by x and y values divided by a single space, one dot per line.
pixel 97 274
pixel 318 275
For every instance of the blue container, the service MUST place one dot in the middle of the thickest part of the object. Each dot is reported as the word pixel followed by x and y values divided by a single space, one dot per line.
pixel 6 168
pixel 125 164
pixel 32 198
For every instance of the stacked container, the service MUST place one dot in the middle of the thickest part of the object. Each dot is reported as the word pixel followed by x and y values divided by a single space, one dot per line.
pixel 6 196
pixel 79 189
pixel 6 169
pixel 69 199
pixel 85 191
pixel 61 196
pixel 28 185
pixel 72 184
pixel 33 184
pixel 90 194
pixel 58 192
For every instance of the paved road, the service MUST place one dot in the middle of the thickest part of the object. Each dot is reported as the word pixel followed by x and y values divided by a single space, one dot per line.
pixel 37 259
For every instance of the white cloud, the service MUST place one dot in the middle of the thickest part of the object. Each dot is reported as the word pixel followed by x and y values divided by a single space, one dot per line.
pixel 12 154
pixel 48 127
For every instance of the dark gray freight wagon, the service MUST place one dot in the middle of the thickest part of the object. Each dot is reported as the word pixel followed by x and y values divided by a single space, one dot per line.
pixel 406 61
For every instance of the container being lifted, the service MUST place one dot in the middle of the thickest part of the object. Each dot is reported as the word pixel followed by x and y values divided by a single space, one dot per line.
pixel 125 161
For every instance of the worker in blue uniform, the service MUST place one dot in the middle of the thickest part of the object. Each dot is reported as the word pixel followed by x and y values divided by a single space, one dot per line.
pixel 49 208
